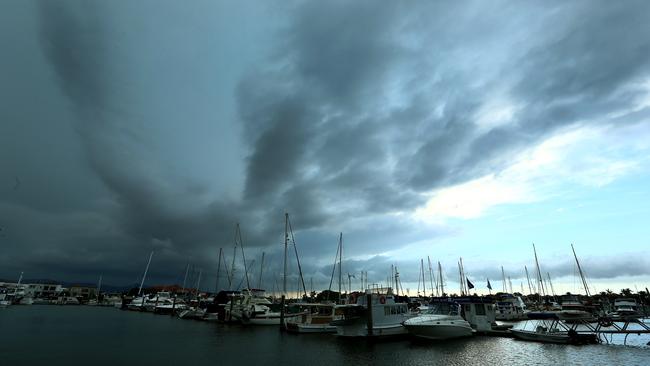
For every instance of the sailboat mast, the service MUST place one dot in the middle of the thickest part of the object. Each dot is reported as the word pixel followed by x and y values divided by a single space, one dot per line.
pixel 286 247
pixel 99 287
pixel 243 256
pixel 216 286
pixel 187 271
pixel 295 248
pixel 442 286
pixel 582 275
pixel 464 279
pixel 530 290
pixel 143 276
pixel 336 258
pixel 460 274
pixel 550 283
pixel 259 283
pixel 232 266
pixel 539 276
pixel 503 280
pixel 430 275
pixel 198 284
pixel 340 263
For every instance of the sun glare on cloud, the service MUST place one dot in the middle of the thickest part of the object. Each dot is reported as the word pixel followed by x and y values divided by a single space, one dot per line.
pixel 580 157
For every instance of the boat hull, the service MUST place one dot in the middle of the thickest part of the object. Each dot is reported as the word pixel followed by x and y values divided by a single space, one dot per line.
pixel 439 331
pixel 310 328
pixel 360 330
pixel 560 338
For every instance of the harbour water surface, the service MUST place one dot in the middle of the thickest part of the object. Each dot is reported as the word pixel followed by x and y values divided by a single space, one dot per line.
pixel 82 335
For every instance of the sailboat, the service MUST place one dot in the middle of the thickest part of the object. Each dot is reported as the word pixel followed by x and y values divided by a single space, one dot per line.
pixel 316 317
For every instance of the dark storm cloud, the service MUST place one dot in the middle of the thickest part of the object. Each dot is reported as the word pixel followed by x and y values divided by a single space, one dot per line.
pixel 358 111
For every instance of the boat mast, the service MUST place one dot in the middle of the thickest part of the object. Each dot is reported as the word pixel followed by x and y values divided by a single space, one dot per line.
pixel 503 280
pixel 464 279
pixel 187 271
pixel 198 284
pixel 234 255
pixel 430 275
pixel 259 283
pixel 216 286
pixel 336 257
pixel 241 245
pixel 582 275
pixel 340 263
pixel 551 284
pixel 295 248
pixel 143 276
pixel 539 276
pixel 99 287
pixel 460 274
pixel 286 246
pixel 442 286
pixel 530 290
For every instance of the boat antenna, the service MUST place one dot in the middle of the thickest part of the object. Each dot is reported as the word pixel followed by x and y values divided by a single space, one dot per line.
pixel 143 276
pixel 582 275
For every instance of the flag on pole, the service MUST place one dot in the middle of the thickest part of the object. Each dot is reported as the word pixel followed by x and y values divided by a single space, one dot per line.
pixel 489 286
pixel 469 284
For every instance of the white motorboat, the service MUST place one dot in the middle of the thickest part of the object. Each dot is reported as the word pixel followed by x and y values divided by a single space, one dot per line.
pixel 510 308
pixel 379 317
pixel 252 307
pixel 625 309
pixel 548 327
pixel 160 298
pixel 169 306
pixel 441 321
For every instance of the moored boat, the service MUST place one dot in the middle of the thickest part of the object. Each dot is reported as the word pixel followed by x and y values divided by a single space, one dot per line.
pixel 441 321
pixel 311 318
pixel 373 314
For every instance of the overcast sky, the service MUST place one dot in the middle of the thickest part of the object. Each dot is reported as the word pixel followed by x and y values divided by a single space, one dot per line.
pixel 444 129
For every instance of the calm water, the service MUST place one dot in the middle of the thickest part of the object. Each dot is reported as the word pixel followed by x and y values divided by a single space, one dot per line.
pixel 81 335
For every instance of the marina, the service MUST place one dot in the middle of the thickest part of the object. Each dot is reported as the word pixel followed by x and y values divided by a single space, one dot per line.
pixel 109 336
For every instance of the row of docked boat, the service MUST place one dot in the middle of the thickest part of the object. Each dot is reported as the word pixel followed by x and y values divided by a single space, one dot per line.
pixel 379 313
pixel 375 313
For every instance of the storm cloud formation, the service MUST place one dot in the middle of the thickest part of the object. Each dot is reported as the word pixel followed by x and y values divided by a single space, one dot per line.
pixel 354 113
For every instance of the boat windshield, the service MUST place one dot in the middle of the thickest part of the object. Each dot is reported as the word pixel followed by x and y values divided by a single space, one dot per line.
pixel 444 308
